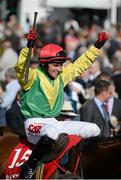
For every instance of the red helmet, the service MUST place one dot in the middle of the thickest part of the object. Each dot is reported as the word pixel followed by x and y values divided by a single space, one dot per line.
pixel 52 52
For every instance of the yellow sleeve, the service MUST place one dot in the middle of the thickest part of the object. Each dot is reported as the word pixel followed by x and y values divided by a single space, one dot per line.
pixel 73 70
pixel 20 71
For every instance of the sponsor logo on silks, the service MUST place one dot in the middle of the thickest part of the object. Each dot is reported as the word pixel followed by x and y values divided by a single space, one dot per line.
pixel 35 128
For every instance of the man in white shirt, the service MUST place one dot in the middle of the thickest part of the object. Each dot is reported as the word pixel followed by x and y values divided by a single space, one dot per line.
pixel 9 95
pixel 8 58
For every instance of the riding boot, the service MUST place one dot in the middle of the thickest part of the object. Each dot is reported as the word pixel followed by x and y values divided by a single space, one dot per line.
pixel 43 147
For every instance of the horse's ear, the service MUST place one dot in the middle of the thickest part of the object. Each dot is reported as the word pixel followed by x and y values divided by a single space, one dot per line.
pixel 61 143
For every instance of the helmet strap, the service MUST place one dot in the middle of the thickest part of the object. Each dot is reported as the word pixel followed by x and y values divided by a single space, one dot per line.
pixel 44 67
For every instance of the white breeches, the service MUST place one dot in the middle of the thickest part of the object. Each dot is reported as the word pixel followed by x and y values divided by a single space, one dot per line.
pixel 36 127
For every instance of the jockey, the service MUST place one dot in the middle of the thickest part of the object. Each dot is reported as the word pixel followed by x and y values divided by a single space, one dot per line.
pixel 42 95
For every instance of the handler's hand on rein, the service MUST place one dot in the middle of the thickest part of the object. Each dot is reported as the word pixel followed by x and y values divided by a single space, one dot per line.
pixel 102 39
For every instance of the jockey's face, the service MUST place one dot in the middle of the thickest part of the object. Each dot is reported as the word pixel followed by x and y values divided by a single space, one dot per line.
pixel 54 69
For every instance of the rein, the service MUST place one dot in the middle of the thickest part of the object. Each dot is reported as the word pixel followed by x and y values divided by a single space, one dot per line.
pixel 65 169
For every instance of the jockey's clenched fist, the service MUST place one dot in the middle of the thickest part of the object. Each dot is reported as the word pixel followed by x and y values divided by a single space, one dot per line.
pixel 102 38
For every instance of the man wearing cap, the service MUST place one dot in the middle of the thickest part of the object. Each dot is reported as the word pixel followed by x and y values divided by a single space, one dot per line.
pixel 43 94
pixel 67 112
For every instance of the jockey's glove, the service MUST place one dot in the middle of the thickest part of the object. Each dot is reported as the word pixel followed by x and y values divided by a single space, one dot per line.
pixel 102 39
pixel 31 38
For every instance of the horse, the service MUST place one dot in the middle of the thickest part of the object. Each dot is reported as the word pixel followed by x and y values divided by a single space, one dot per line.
pixel 100 158
pixel 93 158
pixel 89 159
pixel 23 150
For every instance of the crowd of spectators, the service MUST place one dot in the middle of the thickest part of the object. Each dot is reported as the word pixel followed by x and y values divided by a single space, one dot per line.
pixel 75 40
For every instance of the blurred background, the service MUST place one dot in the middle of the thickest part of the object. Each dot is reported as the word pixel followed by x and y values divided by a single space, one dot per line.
pixel 81 16
pixel 16 17
pixel 83 10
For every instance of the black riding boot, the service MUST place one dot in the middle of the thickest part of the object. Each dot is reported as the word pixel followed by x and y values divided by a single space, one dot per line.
pixel 43 147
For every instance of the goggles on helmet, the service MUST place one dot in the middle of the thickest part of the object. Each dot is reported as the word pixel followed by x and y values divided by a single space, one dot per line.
pixel 52 53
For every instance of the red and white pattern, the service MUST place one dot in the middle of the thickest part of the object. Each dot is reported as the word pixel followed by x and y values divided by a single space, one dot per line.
pixel 18 156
